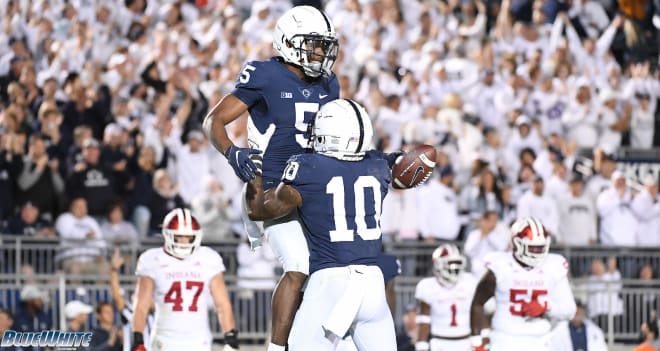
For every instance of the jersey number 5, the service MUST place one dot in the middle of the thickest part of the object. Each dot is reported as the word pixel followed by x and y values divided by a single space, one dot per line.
pixel 174 296
pixel 335 187
pixel 519 296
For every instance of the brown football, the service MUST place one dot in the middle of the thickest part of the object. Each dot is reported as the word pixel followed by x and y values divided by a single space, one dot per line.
pixel 414 167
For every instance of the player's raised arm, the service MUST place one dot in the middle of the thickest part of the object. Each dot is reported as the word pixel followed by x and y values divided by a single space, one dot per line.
pixel 145 291
pixel 485 290
pixel 223 113
pixel 272 203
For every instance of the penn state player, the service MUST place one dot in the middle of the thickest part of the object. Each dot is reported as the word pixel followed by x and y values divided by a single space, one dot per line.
pixel 391 267
pixel 180 279
pixel 530 287
pixel 338 192
pixel 444 303
pixel 282 95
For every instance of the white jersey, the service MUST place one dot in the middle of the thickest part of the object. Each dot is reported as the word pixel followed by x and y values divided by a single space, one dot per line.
pixel 181 291
pixel 547 283
pixel 450 306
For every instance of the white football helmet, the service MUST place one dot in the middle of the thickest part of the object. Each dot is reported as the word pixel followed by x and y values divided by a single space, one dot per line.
pixel 448 264
pixel 531 242
pixel 180 222
pixel 302 30
pixel 342 129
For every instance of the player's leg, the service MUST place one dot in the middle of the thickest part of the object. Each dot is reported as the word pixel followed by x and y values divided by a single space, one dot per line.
pixel 374 330
pixel 346 344
pixel 324 288
pixel 161 343
pixel 507 342
pixel 290 246
pixel 450 345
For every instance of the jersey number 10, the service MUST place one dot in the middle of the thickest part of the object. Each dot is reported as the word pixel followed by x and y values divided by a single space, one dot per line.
pixel 335 187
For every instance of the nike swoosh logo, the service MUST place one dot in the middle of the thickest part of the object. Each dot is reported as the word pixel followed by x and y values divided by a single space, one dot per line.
pixel 323 96
pixel 418 171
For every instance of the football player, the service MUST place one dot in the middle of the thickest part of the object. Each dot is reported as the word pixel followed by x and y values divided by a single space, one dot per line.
pixel 530 287
pixel 338 192
pixel 178 279
pixel 444 303
pixel 282 95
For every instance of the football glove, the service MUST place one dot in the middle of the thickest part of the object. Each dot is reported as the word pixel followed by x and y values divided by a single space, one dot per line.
pixel 239 160
pixel 231 340
pixel 534 309
pixel 138 342
pixel 392 157
pixel 477 343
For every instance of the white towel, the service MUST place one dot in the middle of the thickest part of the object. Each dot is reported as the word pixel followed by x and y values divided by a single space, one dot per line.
pixel 345 310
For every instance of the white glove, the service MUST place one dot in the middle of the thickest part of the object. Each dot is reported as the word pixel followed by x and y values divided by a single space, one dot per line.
pixel 259 141
pixel 229 348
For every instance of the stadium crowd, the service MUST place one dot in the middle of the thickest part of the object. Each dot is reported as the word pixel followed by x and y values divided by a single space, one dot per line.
pixel 101 106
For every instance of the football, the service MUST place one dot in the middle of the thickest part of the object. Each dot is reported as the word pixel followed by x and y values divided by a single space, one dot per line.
pixel 414 167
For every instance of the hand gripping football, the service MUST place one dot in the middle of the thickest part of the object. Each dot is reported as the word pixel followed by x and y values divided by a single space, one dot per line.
pixel 414 167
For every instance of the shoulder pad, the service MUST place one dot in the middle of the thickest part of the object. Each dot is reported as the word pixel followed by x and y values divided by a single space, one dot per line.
pixel 299 169
pixel 556 264
pixel 254 75
pixel 496 262
pixel 148 262
pixel 423 288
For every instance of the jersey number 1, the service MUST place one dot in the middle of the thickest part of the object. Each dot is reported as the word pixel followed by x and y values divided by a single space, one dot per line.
pixel 335 187
pixel 174 297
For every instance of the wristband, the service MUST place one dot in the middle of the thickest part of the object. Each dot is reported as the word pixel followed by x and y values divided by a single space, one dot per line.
pixel 485 333
pixel 423 319
pixel 476 341
pixel 422 346
pixel 137 338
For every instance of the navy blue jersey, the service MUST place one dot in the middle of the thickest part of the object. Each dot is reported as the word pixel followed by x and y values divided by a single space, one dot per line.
pixel 276 95
pixel 390 267
pixel 341 206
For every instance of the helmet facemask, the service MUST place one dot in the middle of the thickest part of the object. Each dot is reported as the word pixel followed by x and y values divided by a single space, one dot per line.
pixel 531 242
pixel 448 264
pixel 177 246
pixel 449 270
pixel 178 225
pixel 316 53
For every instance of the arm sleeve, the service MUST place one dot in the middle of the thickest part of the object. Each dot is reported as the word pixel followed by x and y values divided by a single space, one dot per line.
pixel 250 82
pixel 215 262
pixel 419 292
pixel 605 41
pixel 28 176
pixel 145 266
pixel 562 303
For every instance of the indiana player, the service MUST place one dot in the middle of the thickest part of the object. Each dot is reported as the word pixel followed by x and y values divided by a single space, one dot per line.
pixel 282 95
pixel 338 192
pixel 178 279
pixel 444 303
pixel 530 288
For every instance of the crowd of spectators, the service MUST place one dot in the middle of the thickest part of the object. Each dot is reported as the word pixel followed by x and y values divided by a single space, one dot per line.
pixel 101 105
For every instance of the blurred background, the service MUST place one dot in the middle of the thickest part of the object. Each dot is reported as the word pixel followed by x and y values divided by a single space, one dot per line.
pixel 537 107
